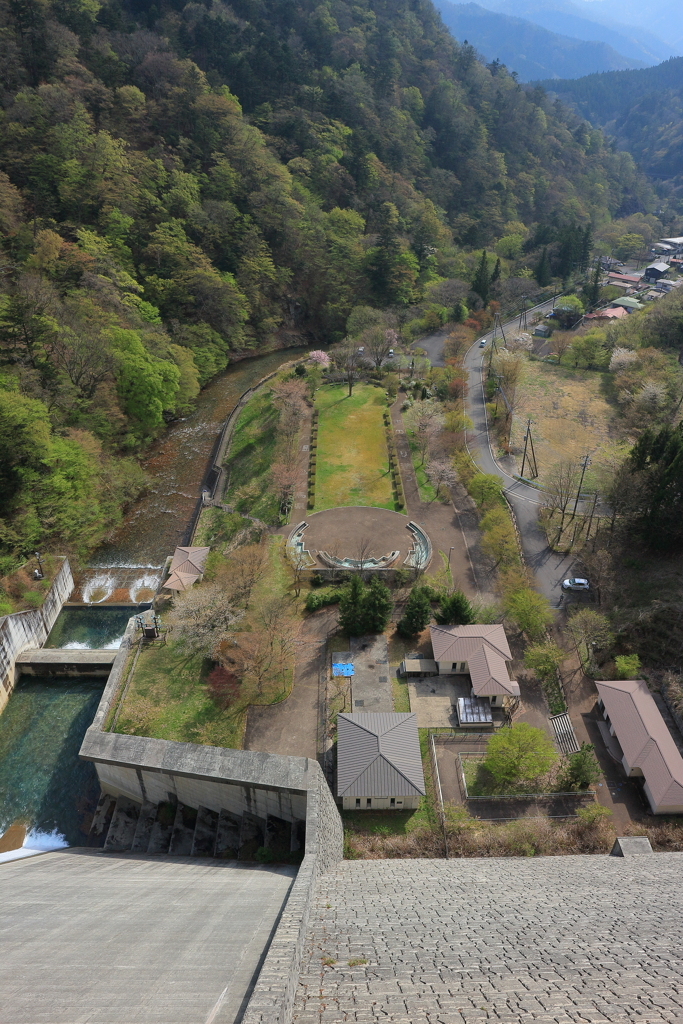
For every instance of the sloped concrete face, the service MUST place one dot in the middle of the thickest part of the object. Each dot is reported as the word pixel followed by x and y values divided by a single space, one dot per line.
pixel 122 940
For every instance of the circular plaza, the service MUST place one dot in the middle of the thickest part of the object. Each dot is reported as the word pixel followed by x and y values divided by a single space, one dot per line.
pixel 359 537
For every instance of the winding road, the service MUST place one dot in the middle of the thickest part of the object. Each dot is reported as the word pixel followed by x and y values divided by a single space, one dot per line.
pixel 549 568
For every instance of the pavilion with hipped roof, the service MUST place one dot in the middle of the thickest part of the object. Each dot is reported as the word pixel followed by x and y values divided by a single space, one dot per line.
pixel 187 566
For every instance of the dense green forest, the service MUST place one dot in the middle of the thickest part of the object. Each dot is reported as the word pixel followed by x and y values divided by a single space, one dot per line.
pixel 183 181
pixel 642 111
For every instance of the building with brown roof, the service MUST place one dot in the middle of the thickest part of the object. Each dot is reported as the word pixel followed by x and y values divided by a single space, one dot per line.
pixel 644 744
pixel 379 765
pixel 480 651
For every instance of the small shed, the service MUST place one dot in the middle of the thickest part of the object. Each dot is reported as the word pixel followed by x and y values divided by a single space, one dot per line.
pixel 379 766
pixel 541 331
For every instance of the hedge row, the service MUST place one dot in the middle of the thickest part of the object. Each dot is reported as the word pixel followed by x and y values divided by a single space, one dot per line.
pixel 396 482
pixel 312 459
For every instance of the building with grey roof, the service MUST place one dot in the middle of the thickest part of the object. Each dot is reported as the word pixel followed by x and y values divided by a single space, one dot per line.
pixel 379 766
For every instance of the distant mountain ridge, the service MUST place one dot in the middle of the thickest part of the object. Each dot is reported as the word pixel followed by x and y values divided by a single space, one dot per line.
pixel 642 110
pixel 527 49
pixel 580 21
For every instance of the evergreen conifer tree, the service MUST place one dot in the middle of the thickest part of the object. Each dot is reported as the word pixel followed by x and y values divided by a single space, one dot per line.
pixel 593 289
pixel 542 273
pixel 454 610
pixel 481 282
pixel 495 276
pixel 416 615
pixel 351 607
pixel 377 607
pixel 586 247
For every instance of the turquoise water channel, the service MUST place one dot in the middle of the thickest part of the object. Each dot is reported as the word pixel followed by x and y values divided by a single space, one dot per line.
pixel 43 785
pixel 91 627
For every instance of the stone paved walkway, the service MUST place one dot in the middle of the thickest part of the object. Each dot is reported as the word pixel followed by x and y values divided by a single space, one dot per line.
pixel 558 940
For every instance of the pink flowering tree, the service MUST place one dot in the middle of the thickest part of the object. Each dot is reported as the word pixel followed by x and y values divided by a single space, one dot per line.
pixel 319 357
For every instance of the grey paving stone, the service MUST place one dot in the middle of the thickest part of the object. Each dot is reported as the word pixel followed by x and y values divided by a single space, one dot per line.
pixel 565 940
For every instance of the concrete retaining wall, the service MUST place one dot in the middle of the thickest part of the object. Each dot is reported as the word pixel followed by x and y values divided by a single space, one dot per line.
pixel 23 630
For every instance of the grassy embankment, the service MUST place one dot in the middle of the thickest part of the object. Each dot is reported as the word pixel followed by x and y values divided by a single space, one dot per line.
pixel 250 456
pixel 352 460
pixel 19 592
pixel 169 698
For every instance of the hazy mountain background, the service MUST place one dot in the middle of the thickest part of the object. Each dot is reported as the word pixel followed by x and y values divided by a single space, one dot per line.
pixel 529 50
pixel 563 38
pixel 641 110
pixel 589 21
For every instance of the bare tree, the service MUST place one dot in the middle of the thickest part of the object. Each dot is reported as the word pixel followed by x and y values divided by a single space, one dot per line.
pixel 561 487
pixel 441 474
pixel 299 563
pixel 363 546
pixel 425 421
pixel 378 343
pixel 247 567
pixel 560 343
pixel 283 475
pixel 349 359
pixel 203 618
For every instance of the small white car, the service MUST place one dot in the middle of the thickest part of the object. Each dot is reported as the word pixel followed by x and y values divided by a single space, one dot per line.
pixel 576 584
pixel 482 343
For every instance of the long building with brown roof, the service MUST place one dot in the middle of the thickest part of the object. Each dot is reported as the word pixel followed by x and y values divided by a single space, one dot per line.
pixel 645 743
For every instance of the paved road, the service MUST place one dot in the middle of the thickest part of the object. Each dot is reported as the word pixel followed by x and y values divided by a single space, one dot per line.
pixel 550 568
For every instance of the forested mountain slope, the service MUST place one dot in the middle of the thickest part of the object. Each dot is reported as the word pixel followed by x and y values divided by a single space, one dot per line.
pixel 182 181
pixel 642 110
pixel 528 49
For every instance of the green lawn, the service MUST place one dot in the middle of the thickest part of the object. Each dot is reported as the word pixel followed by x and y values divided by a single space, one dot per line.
pixel 352 460
pixel 168 697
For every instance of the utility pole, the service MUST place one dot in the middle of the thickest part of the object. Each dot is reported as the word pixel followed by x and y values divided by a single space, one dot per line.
pixel 584 466
pixel 522 315
pixel 529 452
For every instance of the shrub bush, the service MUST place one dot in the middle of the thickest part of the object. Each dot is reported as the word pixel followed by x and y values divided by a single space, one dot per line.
pixel 628 666
pixel 318 599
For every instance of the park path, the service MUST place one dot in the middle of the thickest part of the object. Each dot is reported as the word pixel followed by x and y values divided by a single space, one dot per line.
pixel 453 527
pixel 293 726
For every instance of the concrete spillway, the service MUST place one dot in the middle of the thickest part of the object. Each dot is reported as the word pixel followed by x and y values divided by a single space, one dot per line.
pixel 65 662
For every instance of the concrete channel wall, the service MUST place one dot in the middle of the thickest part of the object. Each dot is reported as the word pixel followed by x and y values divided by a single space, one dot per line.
pixel 24 630
pixel 292 788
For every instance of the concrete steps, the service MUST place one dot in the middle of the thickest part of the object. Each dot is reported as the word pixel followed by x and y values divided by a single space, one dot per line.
pixel 123 825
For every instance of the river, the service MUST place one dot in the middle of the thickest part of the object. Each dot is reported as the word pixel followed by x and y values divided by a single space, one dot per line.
pixel 176 465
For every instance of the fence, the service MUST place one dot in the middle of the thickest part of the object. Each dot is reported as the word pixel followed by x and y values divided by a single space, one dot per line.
pixel 515 796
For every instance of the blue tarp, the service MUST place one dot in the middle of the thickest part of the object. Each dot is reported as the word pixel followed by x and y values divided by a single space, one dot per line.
pixel 342 669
